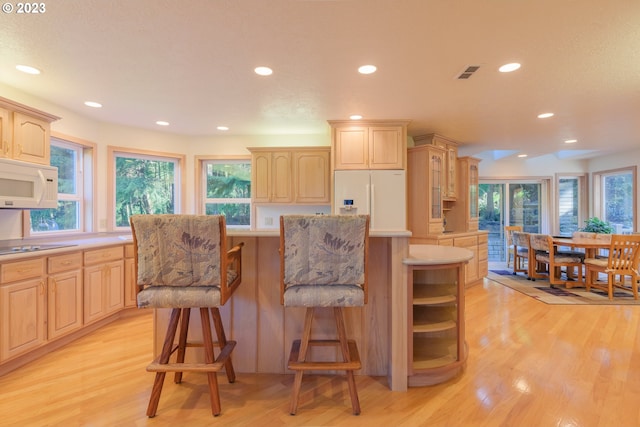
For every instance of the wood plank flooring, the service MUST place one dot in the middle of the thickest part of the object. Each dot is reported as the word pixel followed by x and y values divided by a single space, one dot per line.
pixel 530 364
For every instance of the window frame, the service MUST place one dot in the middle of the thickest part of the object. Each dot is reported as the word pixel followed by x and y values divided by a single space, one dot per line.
pixel 200 180
pixel 598 203
pixel 86 182
pixel 180 178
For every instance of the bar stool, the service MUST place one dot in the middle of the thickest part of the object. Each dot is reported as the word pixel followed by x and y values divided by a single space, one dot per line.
pixel 181 262
pixel 323 263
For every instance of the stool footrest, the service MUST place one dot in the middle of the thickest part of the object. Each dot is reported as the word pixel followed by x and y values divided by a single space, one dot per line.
pixel 216 366
pixel 352 364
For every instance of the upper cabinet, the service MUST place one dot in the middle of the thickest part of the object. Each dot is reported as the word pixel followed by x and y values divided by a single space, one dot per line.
pixel 449 188
pixel 25 132
pixel 465 216
pixel 290 175
pixel 373 144
pixel 425 171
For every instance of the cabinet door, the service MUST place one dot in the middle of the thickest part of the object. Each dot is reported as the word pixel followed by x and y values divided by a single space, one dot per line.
pixel 311 172
pixel 114 298
pixel 473 196
pixel 5 133
pixel 386 147
pixel 436 179
pixel 281 183
pixel 22 307
pixel 30 139
pixel 94 293
pixel 450 179
pixel 261 177
pixel 64 303
pixel 351 148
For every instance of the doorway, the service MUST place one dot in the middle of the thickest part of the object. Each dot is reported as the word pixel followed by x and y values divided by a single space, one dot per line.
pixel 511 202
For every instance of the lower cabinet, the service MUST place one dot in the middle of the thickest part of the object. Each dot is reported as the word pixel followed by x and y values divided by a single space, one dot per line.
pixel 22 307
pixel 437 349
pixel 64 296
pixel 103 282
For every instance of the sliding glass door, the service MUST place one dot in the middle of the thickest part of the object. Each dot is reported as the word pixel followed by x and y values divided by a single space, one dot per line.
pixel 522 203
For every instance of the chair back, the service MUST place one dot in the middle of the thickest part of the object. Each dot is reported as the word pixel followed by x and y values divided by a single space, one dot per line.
pixel 508 232
pixel 324 250
pixel 521 240
pixel 624 253
pixel 539 242
pixel 184 251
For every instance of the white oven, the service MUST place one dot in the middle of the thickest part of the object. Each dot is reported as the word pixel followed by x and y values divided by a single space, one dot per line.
pixel 26 185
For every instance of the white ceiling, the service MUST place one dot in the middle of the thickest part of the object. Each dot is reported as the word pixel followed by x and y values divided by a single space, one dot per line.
pixel 191 63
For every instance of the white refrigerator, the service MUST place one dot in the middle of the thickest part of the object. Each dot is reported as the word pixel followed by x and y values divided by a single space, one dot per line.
pixel 380 193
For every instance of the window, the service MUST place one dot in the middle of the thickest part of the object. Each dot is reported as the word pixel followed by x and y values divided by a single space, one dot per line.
pixel 68 157
pixel 615 198
pixel 145 183
pixel 227 190
pixel 571 203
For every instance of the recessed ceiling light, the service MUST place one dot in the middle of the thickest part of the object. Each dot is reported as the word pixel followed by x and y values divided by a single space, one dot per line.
pixel 93 104
pixel 222 128
pixel 162 123
pixel 367 69
pixel 27 69
pixel 507 68
pixel 355 117
pixel 545 115
pixel 522 155
pixel 570 141
pixel 263 71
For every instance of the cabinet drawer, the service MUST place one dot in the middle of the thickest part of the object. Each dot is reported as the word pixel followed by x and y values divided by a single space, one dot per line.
pixel 128 251
pixel 483 253
pixel 64 262
pixel 20 270
pixel 103 255
pixel 465 242
pixel 483 238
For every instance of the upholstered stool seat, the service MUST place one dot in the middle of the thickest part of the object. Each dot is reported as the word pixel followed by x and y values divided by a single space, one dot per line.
pixel 324 264
pixel 181 262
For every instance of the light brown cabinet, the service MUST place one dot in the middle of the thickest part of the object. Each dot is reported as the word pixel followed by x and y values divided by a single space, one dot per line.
pixel 311 172
pixel 449 187
pixel 103 282
pixel 25 132
pixel 465 216
pixel 22 307
pixel 291 175
pixel 369 144
pixel 271 176
pixel 437 349
pixel 64 296
pixel 425 171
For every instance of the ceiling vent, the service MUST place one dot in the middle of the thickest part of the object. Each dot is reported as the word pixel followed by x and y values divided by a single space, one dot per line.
pixel 468 72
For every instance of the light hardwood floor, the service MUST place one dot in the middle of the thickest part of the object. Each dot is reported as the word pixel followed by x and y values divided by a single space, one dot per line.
pixel 530 364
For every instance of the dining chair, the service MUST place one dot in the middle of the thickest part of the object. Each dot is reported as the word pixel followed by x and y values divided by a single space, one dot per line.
pixel 323 264
pixel 521 252
pixel 508 231
pixel 182 262
pixel 546 254
pixel 622 261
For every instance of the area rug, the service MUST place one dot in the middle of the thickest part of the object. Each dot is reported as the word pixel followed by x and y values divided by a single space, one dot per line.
pixel 542 291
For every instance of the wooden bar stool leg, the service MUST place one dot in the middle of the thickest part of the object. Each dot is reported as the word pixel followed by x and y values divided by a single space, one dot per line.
pixel 222 342
pixel 182 342
pixel 344 345
pixel 302 355
pixel 209 358
pixel 164 359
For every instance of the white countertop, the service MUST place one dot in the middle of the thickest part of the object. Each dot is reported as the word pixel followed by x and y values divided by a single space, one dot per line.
pixel 435 255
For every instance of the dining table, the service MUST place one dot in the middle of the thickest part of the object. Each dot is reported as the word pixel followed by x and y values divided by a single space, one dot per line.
pixel 591 245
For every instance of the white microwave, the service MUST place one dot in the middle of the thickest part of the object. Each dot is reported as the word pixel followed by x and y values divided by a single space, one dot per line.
pixel 26 185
